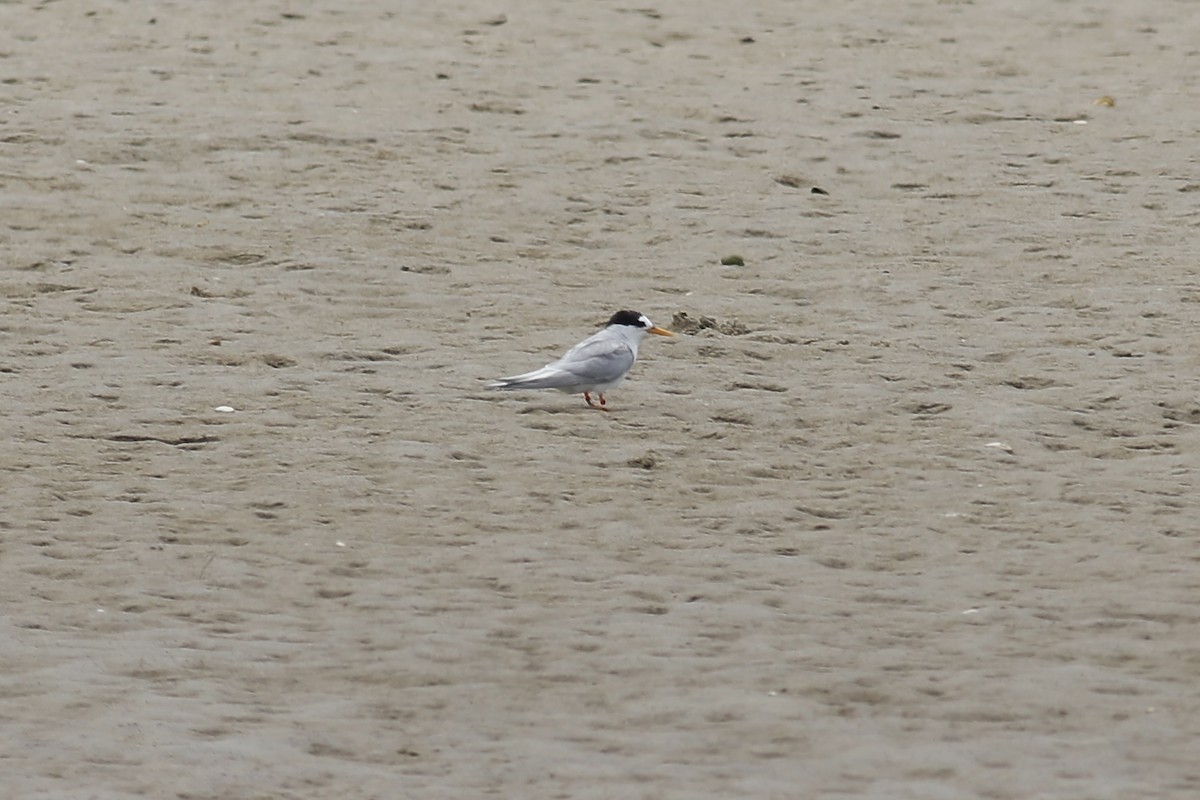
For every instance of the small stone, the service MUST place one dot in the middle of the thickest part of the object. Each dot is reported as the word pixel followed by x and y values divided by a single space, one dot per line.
pixel 647 461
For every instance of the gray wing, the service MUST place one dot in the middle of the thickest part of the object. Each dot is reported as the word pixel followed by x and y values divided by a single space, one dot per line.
pixel 596 360
pixel 599 359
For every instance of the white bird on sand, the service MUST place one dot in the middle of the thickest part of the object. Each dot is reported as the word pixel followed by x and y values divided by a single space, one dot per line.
pixel 597 364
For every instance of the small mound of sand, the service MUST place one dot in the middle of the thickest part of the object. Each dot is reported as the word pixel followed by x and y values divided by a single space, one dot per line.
pixel 682 323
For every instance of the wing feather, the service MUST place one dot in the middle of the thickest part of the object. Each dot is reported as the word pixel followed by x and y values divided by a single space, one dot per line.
pixel 596 361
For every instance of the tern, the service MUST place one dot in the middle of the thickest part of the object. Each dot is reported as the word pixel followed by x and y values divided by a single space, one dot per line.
pixel 597 364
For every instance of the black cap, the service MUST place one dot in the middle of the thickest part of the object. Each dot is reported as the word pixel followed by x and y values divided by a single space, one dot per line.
pixel 630 318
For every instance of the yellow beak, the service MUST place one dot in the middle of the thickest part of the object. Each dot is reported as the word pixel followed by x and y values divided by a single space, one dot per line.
pixel 659 331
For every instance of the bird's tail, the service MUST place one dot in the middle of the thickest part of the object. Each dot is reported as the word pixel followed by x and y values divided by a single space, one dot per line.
pixel 538 379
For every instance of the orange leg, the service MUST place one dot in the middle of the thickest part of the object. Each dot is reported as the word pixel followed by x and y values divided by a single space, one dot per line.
pixel 603 404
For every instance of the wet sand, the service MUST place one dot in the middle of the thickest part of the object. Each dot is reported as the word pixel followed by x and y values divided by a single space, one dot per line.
pixel 921 524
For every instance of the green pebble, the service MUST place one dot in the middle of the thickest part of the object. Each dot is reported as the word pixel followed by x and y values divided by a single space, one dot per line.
pixel 733 261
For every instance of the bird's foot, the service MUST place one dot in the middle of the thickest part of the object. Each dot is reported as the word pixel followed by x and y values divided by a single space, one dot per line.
pixel 603 403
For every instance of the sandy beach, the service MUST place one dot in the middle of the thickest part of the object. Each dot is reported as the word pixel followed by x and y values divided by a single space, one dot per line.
pixel 907 510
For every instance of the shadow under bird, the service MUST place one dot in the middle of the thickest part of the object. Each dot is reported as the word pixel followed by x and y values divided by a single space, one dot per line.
pixel 596 365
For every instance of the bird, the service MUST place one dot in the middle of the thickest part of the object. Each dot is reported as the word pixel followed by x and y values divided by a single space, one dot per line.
pixel 595 365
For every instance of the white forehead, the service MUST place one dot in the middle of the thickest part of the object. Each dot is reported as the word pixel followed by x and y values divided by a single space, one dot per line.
pixel 646 323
